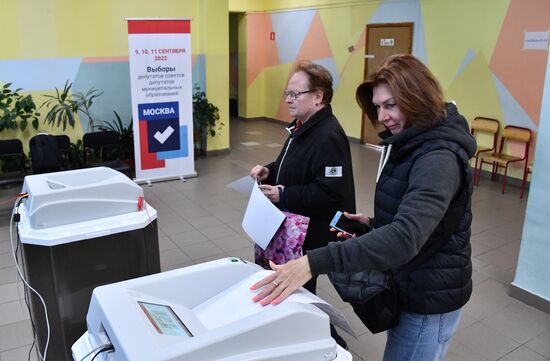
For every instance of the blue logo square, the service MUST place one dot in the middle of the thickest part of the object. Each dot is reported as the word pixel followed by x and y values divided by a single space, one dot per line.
pixel 163 135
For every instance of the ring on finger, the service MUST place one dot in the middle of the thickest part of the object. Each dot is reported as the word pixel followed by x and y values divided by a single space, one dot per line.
pixel 275 283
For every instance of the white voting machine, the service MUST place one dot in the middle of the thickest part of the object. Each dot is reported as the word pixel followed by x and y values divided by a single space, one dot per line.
pixel 205 312
pixel 73 196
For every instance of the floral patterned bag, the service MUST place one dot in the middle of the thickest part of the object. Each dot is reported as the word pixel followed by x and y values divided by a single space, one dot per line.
pixel 287 242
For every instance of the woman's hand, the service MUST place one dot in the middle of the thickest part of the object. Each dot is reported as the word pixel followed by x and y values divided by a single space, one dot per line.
pixel 286 279
pixel 271 192
pixel 259 173
pixel 359 217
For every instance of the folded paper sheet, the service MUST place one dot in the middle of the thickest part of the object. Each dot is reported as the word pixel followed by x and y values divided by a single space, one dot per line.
pixel 238 300
pixel 242 185
pixel 261 219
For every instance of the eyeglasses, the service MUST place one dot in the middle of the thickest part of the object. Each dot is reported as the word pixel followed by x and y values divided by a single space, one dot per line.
pixel 294 95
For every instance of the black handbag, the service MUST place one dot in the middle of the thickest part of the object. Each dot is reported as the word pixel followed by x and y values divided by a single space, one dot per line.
pixel 373 294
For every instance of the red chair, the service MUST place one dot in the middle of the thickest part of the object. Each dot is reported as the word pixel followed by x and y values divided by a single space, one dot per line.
pixel 502 159
pixel 484 126
pixel 529 171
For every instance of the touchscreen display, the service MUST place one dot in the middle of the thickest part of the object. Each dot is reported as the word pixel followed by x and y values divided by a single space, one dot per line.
pixel 164 320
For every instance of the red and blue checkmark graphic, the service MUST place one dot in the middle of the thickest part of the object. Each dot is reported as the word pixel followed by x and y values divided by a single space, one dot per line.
pixel 161 135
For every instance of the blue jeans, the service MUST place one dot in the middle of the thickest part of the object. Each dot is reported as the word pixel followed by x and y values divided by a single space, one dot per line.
pixel 421 337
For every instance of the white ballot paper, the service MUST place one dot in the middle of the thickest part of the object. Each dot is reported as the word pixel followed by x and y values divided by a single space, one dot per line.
pixel 261 219
pixel 242 185
pixel 236 303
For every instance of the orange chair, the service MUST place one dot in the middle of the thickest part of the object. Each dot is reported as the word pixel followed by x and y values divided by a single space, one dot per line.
pixel 500 159
pixel 529 170
pixel 482 125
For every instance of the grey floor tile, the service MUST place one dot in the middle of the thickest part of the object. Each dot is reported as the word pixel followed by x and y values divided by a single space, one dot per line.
pixel 203 250
pixel 7 275
pixel 489 240
pixel 511 231
pixel 185 239
pixel 541 343
pixel 173 257
pixel 499 259
pixel 485 341
pixel 217 231
pixel 233 243
pixel 166 243
pixel 466 320
pixel 459 352
pixel 518 322
pixel 15 335
pixel 9 292
pixel 5 246
pixel 12 312
pixel 230 216
pixel 479 248
pixel 6 260
pixel 523 354
pixel 175 227
pixel 19 354
pixel 205 222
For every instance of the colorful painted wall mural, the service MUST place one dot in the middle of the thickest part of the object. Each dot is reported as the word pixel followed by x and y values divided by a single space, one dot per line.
pixel 52 42
pixel 478 54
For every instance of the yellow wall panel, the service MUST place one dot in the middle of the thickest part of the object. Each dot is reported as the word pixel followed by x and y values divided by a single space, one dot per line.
pixel 36 30
pixel 215 45
pixel 275 84
pixel 475 92
pixel 66 28
pixel 255 99
pixel 452 28
pixel 10 42
pixel 342 31
pixel 344 105
pixel 243 90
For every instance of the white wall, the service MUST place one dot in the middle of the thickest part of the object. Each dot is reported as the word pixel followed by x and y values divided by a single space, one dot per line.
pixel 533 269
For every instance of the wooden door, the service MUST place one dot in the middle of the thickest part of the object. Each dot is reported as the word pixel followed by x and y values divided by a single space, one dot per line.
pixel 382 40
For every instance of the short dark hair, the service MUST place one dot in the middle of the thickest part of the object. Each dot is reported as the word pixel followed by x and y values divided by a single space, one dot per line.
pixel 416 90
pixel 319 78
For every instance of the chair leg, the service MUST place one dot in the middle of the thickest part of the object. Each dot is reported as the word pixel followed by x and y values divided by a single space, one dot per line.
pixel 504 181
pixel 494 172
pixel 475 170
pixel 524 181
pixel 477 173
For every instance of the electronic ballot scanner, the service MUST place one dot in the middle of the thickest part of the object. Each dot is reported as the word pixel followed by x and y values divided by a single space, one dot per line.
pixel 205 312
pixel 80 229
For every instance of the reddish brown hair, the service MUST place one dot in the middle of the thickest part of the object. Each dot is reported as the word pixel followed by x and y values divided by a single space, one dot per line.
pixel 415 89
pixel 319 78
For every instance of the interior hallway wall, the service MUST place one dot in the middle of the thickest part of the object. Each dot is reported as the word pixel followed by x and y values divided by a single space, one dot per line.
pixel 477 53
pixel 48 42
pixel 533 272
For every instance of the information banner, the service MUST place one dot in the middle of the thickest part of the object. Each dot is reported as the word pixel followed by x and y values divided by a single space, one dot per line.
pixel 162 102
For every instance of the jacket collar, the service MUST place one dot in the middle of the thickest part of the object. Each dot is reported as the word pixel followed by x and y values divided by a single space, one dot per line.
pixel 315 119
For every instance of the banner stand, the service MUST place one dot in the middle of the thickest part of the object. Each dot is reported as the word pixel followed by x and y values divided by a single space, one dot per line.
pixel 162 98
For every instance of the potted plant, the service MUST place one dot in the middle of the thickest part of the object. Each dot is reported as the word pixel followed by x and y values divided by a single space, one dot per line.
pixel 126 135
pixel 85 102
pixel 76 155
pixel 205 117
pixel 16 110
pixel 65 106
